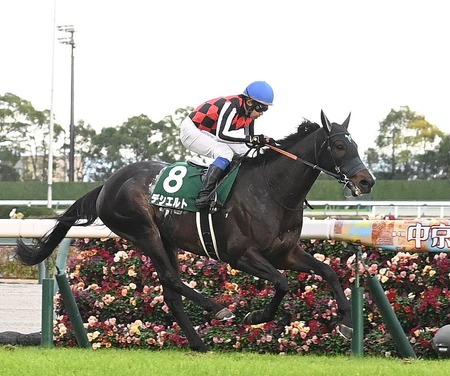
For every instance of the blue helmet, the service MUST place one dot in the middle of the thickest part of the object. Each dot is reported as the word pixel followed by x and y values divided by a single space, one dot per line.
pixel 260 91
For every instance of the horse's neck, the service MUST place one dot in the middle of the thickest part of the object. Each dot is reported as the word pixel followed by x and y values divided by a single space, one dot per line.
pixel 292 179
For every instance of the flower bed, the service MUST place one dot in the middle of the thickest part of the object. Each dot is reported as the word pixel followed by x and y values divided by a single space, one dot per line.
pixel 121 301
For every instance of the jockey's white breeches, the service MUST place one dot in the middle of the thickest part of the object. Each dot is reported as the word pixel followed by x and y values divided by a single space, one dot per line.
pixel 208 144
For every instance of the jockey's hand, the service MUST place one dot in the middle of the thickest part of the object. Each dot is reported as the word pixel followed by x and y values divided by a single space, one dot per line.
pixel 257 140
pixel 271 141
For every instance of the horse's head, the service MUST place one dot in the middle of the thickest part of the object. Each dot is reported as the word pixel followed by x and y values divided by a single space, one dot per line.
pixel 329 149
pixel 338 155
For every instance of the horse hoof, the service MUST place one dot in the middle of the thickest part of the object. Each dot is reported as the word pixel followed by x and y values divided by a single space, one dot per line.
pixel 224 314
pixel 200 348
pixel 255 318
pixel 345 331
pixel 248 318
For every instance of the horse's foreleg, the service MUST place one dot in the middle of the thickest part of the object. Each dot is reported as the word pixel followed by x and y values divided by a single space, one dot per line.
pixel 255 264
pixel 345 327
pixel 299 260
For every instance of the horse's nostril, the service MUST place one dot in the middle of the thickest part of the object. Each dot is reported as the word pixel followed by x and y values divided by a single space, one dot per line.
pixel 365 184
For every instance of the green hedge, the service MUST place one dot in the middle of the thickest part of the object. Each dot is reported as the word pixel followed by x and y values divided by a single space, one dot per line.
pixel 323 189
pixel 32 190
pixel 388 190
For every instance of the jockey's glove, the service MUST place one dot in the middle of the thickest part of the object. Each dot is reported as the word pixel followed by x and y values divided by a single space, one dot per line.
pixel 257 140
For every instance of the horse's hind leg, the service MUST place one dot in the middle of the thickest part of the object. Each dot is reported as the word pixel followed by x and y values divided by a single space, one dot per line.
pixel 175 304
pixel 124 208
pixel 166 264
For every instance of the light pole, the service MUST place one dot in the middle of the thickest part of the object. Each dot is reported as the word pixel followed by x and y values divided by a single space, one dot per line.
pixel 70 41
pixel 51 123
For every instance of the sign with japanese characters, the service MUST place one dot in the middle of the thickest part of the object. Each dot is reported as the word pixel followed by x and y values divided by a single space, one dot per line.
pixel 397 235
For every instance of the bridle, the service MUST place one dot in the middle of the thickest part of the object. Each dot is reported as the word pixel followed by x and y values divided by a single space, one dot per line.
pixel 339 174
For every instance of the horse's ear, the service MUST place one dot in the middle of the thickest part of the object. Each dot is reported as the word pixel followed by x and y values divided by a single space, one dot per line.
pixel 325 122
pixel 345 123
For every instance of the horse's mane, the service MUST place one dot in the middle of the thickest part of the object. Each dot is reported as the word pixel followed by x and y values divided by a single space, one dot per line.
pixel 304 129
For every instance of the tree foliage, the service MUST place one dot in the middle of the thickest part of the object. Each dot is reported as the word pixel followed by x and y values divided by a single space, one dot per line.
pixel 407 147
pixel 24 133
pixel 138 139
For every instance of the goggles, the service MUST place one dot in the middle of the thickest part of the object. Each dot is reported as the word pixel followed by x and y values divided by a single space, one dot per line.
pixel 259 107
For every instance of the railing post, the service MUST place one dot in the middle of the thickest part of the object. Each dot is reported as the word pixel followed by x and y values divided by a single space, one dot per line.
pixel 47 312
pixel 72 310
pixel 43 271
pixel 357 346
pixel 390 319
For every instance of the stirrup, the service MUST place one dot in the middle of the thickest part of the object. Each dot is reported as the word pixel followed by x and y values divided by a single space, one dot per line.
pixel 204 200
pixel 211 201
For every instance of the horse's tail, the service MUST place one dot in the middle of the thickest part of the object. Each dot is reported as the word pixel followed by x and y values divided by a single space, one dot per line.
pixel 84 208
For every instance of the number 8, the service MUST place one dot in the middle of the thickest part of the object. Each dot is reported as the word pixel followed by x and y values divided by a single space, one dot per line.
pixel 176 175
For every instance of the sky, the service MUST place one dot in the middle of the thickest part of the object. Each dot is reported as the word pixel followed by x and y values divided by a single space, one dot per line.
pixel 152 57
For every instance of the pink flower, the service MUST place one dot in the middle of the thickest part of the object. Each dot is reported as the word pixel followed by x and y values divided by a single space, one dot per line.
pixel 92 320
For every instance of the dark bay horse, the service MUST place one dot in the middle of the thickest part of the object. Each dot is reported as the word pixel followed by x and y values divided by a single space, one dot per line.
pixel 257 230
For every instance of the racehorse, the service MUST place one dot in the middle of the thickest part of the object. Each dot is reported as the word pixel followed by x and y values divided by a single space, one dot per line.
pixel 257 229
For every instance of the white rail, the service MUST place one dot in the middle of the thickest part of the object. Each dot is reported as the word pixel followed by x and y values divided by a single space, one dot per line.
pixel 36 228
pixel 36 202
pixel 373 209
pixel 395 235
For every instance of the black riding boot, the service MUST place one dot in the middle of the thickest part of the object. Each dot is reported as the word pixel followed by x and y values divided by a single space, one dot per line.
pixel 212 177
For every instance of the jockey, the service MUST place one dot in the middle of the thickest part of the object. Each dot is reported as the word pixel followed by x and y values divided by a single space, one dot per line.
pixel 221 127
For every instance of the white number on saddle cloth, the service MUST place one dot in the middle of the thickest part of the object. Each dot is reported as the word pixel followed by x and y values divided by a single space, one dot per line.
pixel 174 180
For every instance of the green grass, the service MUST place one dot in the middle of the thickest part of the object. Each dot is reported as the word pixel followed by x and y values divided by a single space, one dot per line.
pixel 39 361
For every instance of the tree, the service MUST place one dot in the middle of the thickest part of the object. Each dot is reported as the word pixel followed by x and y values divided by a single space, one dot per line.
pixel 84 161
pixel 24 136
pixel 145 139
pixel 170 148
pixel 138 139
pixel 8 173
pixel 442 160
pixel 12 128
pixel 404 143
pixel 105 155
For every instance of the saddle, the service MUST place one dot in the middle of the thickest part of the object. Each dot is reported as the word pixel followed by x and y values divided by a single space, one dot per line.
pixel 177 186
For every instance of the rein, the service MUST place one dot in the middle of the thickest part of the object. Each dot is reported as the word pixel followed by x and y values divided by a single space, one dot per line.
pixel 340 177
pixel 304 161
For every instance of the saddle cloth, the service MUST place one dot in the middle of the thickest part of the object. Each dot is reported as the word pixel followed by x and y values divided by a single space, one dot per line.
pixel 177 186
